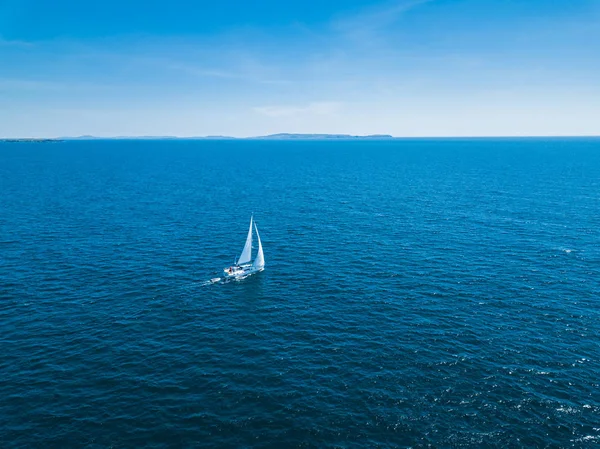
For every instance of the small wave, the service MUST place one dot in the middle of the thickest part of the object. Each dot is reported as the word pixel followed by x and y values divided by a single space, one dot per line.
pixel 587 438
pixel 568 410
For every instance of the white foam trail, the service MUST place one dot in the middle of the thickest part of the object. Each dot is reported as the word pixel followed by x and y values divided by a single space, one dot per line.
pixel 212 281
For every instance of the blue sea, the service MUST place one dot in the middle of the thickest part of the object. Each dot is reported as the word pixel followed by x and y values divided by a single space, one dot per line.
pixel 417 293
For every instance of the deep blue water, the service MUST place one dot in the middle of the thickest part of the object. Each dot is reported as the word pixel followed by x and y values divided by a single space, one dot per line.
pixel 417 293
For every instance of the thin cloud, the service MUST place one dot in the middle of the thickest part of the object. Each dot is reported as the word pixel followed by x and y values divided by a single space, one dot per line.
pixel 237 70
pixel 16 85
pixel 317 108
pixel 369 22
pixel 204 71
pixel 14 43
pixel 26 84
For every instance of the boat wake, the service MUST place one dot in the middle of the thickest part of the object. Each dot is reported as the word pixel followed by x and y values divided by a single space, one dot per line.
pixel 214 281
pixel 225 280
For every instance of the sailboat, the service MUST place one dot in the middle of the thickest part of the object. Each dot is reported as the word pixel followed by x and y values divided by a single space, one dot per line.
pixel 244 266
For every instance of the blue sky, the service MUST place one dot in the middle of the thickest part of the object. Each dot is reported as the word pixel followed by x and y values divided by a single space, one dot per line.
pixel 401 67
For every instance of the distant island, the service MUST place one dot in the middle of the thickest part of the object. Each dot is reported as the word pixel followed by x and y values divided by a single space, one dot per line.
pixel 286 136
pixel 281 136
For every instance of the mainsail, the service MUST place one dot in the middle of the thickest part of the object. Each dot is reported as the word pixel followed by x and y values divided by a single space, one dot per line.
pixel 259 262
pixel 246 255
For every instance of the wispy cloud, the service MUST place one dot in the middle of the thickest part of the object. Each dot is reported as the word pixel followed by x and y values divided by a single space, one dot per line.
pixel 365 24
pixel 12 84
pixel 316 108
pixel 200 71
pixel 17 85
pixel 14 43
pixel 239 70
pixel 20 84
pixel 230 64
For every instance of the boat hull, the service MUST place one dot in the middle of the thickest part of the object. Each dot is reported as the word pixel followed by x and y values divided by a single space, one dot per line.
pixel 241 272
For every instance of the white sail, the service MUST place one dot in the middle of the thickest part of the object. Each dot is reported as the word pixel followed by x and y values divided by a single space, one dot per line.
pixel 259 262
pixel 246 255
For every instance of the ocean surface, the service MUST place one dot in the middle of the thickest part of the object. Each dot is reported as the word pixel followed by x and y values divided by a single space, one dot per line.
pixel 417 293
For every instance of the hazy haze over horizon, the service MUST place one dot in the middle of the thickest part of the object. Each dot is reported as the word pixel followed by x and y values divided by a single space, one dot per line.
pixel 406 68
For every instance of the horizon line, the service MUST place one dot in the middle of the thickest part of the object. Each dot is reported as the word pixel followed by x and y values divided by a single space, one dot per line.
pixel 297 136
